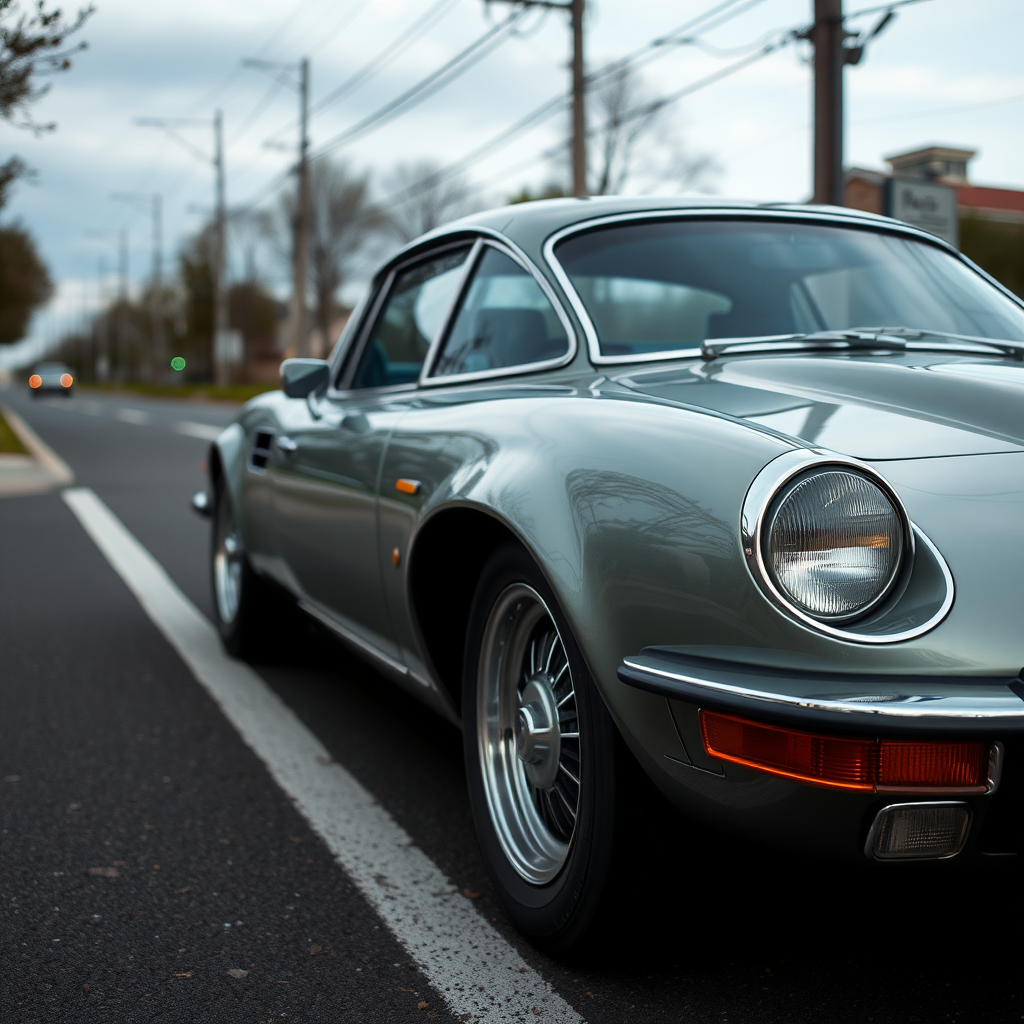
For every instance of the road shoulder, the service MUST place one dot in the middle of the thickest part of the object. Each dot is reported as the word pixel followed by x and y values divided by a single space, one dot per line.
pixel 41 470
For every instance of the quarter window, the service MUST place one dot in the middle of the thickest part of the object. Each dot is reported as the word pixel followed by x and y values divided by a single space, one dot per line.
pixel 505 320
pixel 413 313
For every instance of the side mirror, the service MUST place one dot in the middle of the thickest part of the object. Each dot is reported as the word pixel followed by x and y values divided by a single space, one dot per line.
pixel 300 377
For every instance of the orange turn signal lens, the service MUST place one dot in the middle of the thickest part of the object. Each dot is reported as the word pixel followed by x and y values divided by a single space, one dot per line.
pixel 872 765
pixel 35 381
pixel 67 380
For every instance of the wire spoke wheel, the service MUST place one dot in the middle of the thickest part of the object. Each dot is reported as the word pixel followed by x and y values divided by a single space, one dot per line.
pixel 228 561
pixel 528 732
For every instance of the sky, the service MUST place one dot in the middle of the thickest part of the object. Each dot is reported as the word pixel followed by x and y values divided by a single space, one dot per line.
pixel 943 71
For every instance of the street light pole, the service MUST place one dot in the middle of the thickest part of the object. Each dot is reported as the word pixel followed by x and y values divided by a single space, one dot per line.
pixel 221 339
pixel 827 36
pixel 158 351
pixel 298 336
pixel 221 366
pixel 157 298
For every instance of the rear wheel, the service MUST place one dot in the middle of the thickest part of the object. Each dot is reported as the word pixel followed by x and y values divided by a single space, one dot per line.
pixel 540 756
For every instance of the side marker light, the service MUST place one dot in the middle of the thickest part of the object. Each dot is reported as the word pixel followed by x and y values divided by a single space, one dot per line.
pixel 869 765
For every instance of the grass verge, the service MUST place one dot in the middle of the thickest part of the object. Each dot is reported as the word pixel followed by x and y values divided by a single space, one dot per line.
pixel 202 392
pixel 10 443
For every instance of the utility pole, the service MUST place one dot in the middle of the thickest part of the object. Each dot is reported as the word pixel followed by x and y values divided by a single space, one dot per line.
pixel 298 336
pixel 579 114
pixel 158 350
pixel 122 304
pixel 102 324
pixel 221 368
pixel 579 86
pixel 827 37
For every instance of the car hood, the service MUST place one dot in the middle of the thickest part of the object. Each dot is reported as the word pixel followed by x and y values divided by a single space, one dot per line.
pixel 872 407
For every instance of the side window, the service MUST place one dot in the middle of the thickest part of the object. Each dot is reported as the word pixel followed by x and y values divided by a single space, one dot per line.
pixel 412 315
pixel 505 320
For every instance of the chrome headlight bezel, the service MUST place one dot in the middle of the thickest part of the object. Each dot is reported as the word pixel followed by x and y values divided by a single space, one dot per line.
pixel 774 482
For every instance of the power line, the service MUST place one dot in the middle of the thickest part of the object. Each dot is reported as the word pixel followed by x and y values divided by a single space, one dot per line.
pixel 723 11
pixel 883 7
pixel 347 20
pixel 459 64
pixel 381 60
pixel 388 54
pixel 943 110
pixel 257 111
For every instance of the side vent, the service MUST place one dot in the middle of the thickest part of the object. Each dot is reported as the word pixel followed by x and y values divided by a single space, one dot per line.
pixel 259 455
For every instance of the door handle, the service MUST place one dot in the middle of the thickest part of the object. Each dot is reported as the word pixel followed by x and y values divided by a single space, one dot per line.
pixel 287 445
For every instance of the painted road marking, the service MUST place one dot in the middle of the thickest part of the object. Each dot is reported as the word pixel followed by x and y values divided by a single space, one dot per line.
pixel 470 965
pixel 53 465
pixel 134 416
pixel 201 430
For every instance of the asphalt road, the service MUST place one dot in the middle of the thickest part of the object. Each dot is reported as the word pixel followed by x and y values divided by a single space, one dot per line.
pixel 151 868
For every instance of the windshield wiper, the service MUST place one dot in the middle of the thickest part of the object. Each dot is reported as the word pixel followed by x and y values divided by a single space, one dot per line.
pixel 894 339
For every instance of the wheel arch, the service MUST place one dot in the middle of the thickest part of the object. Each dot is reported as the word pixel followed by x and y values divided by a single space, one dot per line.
pixel 447 558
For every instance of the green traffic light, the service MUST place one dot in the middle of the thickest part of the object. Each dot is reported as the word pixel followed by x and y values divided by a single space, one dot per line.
pixel 177 363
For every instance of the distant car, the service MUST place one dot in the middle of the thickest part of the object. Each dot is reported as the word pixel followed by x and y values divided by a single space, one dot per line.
pixel 53 377
pixel 740 484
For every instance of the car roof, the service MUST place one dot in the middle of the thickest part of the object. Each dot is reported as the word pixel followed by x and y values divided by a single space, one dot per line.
pixel 529 224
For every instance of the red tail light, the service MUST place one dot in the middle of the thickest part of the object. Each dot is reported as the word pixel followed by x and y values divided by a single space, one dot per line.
pixel 35 380
pixel 66 380
pixel 872 765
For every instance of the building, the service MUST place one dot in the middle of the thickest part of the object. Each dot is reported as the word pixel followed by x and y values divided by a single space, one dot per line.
pixel 931 189
pixel 939 165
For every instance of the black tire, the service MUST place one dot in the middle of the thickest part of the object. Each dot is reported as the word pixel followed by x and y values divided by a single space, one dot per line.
pixel 254 629
pixel 559 914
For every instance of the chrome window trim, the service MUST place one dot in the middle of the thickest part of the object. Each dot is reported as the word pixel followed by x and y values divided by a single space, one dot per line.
pixel 373 311
pixel 519 257
pixel 716 213
pixel 762 491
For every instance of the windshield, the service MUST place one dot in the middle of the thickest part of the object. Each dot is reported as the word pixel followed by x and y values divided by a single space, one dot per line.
pixel 663 286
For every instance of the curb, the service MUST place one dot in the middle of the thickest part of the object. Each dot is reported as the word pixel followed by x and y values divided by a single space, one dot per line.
pixel 43 472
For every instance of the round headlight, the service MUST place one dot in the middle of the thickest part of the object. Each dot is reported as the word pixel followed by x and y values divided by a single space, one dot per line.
pixel 834 543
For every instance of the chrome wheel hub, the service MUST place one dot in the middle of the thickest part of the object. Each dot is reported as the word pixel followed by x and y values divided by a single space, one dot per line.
pixel 528 734
pixel 537 737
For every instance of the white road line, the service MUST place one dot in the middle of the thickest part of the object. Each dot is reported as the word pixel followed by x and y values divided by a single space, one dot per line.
pixel 470 965
pixel 58 470
pixel 201 430
pixel 134 416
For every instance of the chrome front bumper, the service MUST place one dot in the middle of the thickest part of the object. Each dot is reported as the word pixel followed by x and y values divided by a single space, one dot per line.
pixel 880 705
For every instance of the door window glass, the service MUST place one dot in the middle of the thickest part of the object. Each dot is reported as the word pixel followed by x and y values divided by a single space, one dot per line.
pixel 505 320
pixel 407 325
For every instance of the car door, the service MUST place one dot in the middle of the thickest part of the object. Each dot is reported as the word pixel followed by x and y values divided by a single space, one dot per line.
pixel 329 452
pixel 507 322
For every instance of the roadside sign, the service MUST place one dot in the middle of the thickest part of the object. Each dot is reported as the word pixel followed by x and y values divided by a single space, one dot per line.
pixel 924 204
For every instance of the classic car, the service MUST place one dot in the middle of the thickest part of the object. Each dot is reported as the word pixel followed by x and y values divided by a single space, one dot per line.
pixel 733 490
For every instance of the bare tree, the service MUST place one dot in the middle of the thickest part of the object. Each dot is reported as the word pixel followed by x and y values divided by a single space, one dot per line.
pixel 342 218
pixel 424 198
pixel 633 142
pixel 33 43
